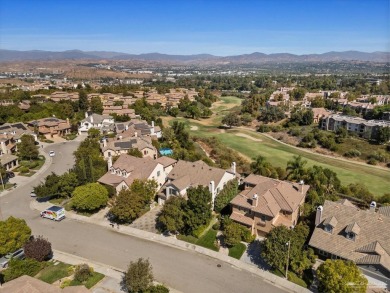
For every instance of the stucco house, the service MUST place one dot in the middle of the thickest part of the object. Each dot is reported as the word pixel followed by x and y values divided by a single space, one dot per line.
pixel 127 168
pixel 118 147
pixel 104 123
pixel 192 174
pixel 343 231
pixel 265 203
pixel 50 127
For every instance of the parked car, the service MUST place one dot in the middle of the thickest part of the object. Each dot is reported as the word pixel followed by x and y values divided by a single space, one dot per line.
pixel 19 254
pixel 33 194
pixel 52 153
pixel 10 174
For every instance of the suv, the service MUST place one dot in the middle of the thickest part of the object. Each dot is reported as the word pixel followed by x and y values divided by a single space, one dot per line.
pixel 19 254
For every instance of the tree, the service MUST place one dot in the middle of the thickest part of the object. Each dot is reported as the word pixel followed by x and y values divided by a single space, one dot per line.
pixel 271 114
pixel 232 233
pixel 295 168
pixel 261 167
pixel 38 248
pixel 139 276
pixel 14 233
pixel 135 153
pixel 172 214
pixel 67 183
pixel 340 276
pixel 297 94
pixel 83 101
pixel 274 248
pixel 383 135
pixel 193 111
pixel 133 202
pixel 82 273
pixel 198 208
pixel 231 119
pixel 27 148
pixel 96 105
pixel 19 267
pixel 229 191
pixel 89 197
pixel 94 133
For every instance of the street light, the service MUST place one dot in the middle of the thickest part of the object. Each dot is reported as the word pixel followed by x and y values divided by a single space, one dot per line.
pixel 288 256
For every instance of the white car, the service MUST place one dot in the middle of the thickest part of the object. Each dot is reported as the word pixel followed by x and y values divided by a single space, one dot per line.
pixel 52 153
pixel 33 194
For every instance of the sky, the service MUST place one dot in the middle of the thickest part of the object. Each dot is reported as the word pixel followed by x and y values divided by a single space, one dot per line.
pixel 187 27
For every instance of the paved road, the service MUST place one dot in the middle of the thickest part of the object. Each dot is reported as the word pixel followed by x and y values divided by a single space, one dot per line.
pixel 185 271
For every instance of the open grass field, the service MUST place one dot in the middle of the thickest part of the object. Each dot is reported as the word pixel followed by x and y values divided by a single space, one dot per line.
pixel 278 154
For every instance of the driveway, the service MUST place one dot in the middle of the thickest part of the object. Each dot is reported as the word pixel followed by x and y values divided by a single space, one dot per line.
pixel 148 221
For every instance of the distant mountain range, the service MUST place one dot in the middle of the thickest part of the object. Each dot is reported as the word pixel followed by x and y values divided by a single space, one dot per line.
pixel 13 55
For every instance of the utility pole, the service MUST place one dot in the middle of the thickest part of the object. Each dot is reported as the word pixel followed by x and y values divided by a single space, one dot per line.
pixel 288 257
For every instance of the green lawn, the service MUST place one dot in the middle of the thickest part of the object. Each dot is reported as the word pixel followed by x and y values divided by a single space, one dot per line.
pixel 52 273
pixel 90 282
pixel 207 240
pixel 237 250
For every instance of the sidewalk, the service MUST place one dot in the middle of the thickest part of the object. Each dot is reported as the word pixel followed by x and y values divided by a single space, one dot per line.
pixel 97 219
pixel 23 180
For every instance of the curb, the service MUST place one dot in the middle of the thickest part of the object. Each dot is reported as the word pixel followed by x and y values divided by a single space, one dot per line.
pixel 178 244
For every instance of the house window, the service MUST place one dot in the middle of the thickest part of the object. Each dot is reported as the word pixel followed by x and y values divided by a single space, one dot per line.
pixel 158 173
pixel 109 154
pixel 350 236
pixel 328 228
pixel 263 218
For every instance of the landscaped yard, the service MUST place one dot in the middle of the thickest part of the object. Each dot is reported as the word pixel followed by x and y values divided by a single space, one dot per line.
pixel 90 282
pixel 237 250
pixel 207 240
pixel 53 272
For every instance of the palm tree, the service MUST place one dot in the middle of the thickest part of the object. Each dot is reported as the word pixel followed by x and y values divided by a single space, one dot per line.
pixel 296 168
pixel 261 167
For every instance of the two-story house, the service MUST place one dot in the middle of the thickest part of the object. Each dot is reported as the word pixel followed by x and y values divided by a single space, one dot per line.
pixel 127 168
pixel 116 147
pixel 343 231
pixel 192 174
pixel 50 127
pixel 104 123
pixel 265 203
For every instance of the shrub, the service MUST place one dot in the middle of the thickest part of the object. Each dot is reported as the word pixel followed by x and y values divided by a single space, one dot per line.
pixel 65 283
pixel 90 197
pixel 263 128
pixel 216 226
pixel 372 161
pixel 157 289
pixel 295 131
pixel 82 273
pixel 38 248
pixel 199 231
pixel 24 169
pixel 139 276
pixel 353 153
pixel 379 156
pixel 17 268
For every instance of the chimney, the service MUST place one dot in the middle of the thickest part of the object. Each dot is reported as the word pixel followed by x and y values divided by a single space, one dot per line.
pixel 135 134
pixel 126 127
pixel 104 142
pixel 152 129
pixel 67 121
pixel 301 183
pixel 109 162
pixel 86 114
pixel 212 191
pixel 234 168
pixel 373 206
pixel 319 215
pixel 255 200
pixel 91 119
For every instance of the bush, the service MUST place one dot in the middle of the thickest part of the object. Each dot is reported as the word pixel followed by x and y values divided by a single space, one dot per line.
pixel 157 289
pixel 38 249
pixel 17 268
pixel 199 231
pixel 372 161
pixel 65 283
pixel 295 131
pixel 379 156
pixel 89 197
pixel 352 153
pixel 216 226
pixel 82 273
pixel 139 276
pixel 24 169
pixel 263 128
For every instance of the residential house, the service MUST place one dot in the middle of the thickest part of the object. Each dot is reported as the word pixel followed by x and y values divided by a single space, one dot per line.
pixel 59 96
pixel 116 147
pixel 320 113
pixel 50 127
pixel 104 123
pixel 137 127
pixel 27 284
pixel 265 203
pixel 343 231
pixel 127 168
pixel 192 174
pixel 364 128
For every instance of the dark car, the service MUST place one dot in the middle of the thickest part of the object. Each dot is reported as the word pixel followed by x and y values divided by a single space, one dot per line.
pixel 10 174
